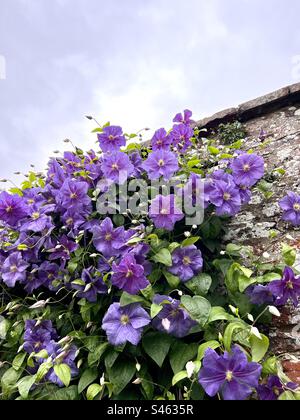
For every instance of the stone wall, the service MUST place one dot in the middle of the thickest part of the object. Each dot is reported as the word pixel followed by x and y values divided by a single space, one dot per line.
pixel 278 114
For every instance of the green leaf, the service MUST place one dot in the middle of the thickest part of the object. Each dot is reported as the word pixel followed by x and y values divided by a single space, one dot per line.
pixel 289 255
pixel 182 353
pixel 173 281
pixel 119 220
pixel 63 372
pixel 9 380
pixel 43 370
pixel 198 307
pixel 200 284
pixel 155 310
pixel 120 374
pixel 228 334
pixel 208 345
pixel 213 150
pixel 287 396
pixel 157 346
pixel 96 354
pixel 18 361
pixel 164 257
pixel 179 377
pixel 190 241
pixel 4 328
pixel 92 391
pixel 270 366
pixel 245 282
pixel 88 376
pixel 127 299
pixel 66 394
pixel 25 384
pixel 111 358
pixel 218 313
pixel 259 347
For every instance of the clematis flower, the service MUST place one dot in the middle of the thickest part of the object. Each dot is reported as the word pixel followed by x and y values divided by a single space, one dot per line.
pixel 231 374
pixel 161 163
pixel 181 137
pixel 12 208
pixel 108 240
pixel 272 390
pixel 56 175
pixel 247 169
pixel 187 262
pixel 59 356
pixel 63 249
pixel 129 276
pixel 286 289
pixel 38 220
pixel 14 269
pixel 137 162
pixel 260 295
pixel 38 335
pixel 226 198
pixel 164 213
pixel 117 167
pixel 172 319
pixel 125 324
pixel 161 140
pixel 74 194
pixel 93 285
pixel 184 118
pixel 111 139
pixel 290 204
pixel 49 273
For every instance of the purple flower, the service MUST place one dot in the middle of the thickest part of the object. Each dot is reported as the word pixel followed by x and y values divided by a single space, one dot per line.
pixel 38 335
pixel 286 289
pixel 185 118
pixel 14 269
pixel 49 275
pixel 245 194
pixel 193 193
pixel 74 194
pixel 108 240
pixel 226 198
pixel 129 276
pixel 230 374
pixel 117 167
pixel 164 213
pixel 260 295
pixel 111 139
pixel 38 220
pixel 161 140
pixel 59 356
pixel 172 319
pixel 181 137
pixel 272 390
pixel 63 249
pixel 161 163
pixel 137 162
pixel 93 285
pixel 12 208
pixel 247 169
pixel 124 324
pixel 290 204
pixel 187 262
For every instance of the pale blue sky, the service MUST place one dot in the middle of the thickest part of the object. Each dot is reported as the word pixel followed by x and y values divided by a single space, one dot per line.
pixel 133 62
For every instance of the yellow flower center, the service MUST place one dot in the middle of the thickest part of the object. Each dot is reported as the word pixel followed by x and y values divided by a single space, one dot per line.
pixel 129 274
pixel 125 319
pixel 246 168
pixel 186 260
pixel 13 268
pixel 115 166
pixel 30 201
pixel 297 207
pixel 111 137
pixel 108 237
pixel 35 215
pixel 226 196
pixel 290 285
pixel 161 163
pixel 9 209
pixel 73 195
pixel 229 376
pixel 164 211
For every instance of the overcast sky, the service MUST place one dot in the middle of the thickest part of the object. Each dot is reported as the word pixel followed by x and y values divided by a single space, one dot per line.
pixel 133 62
